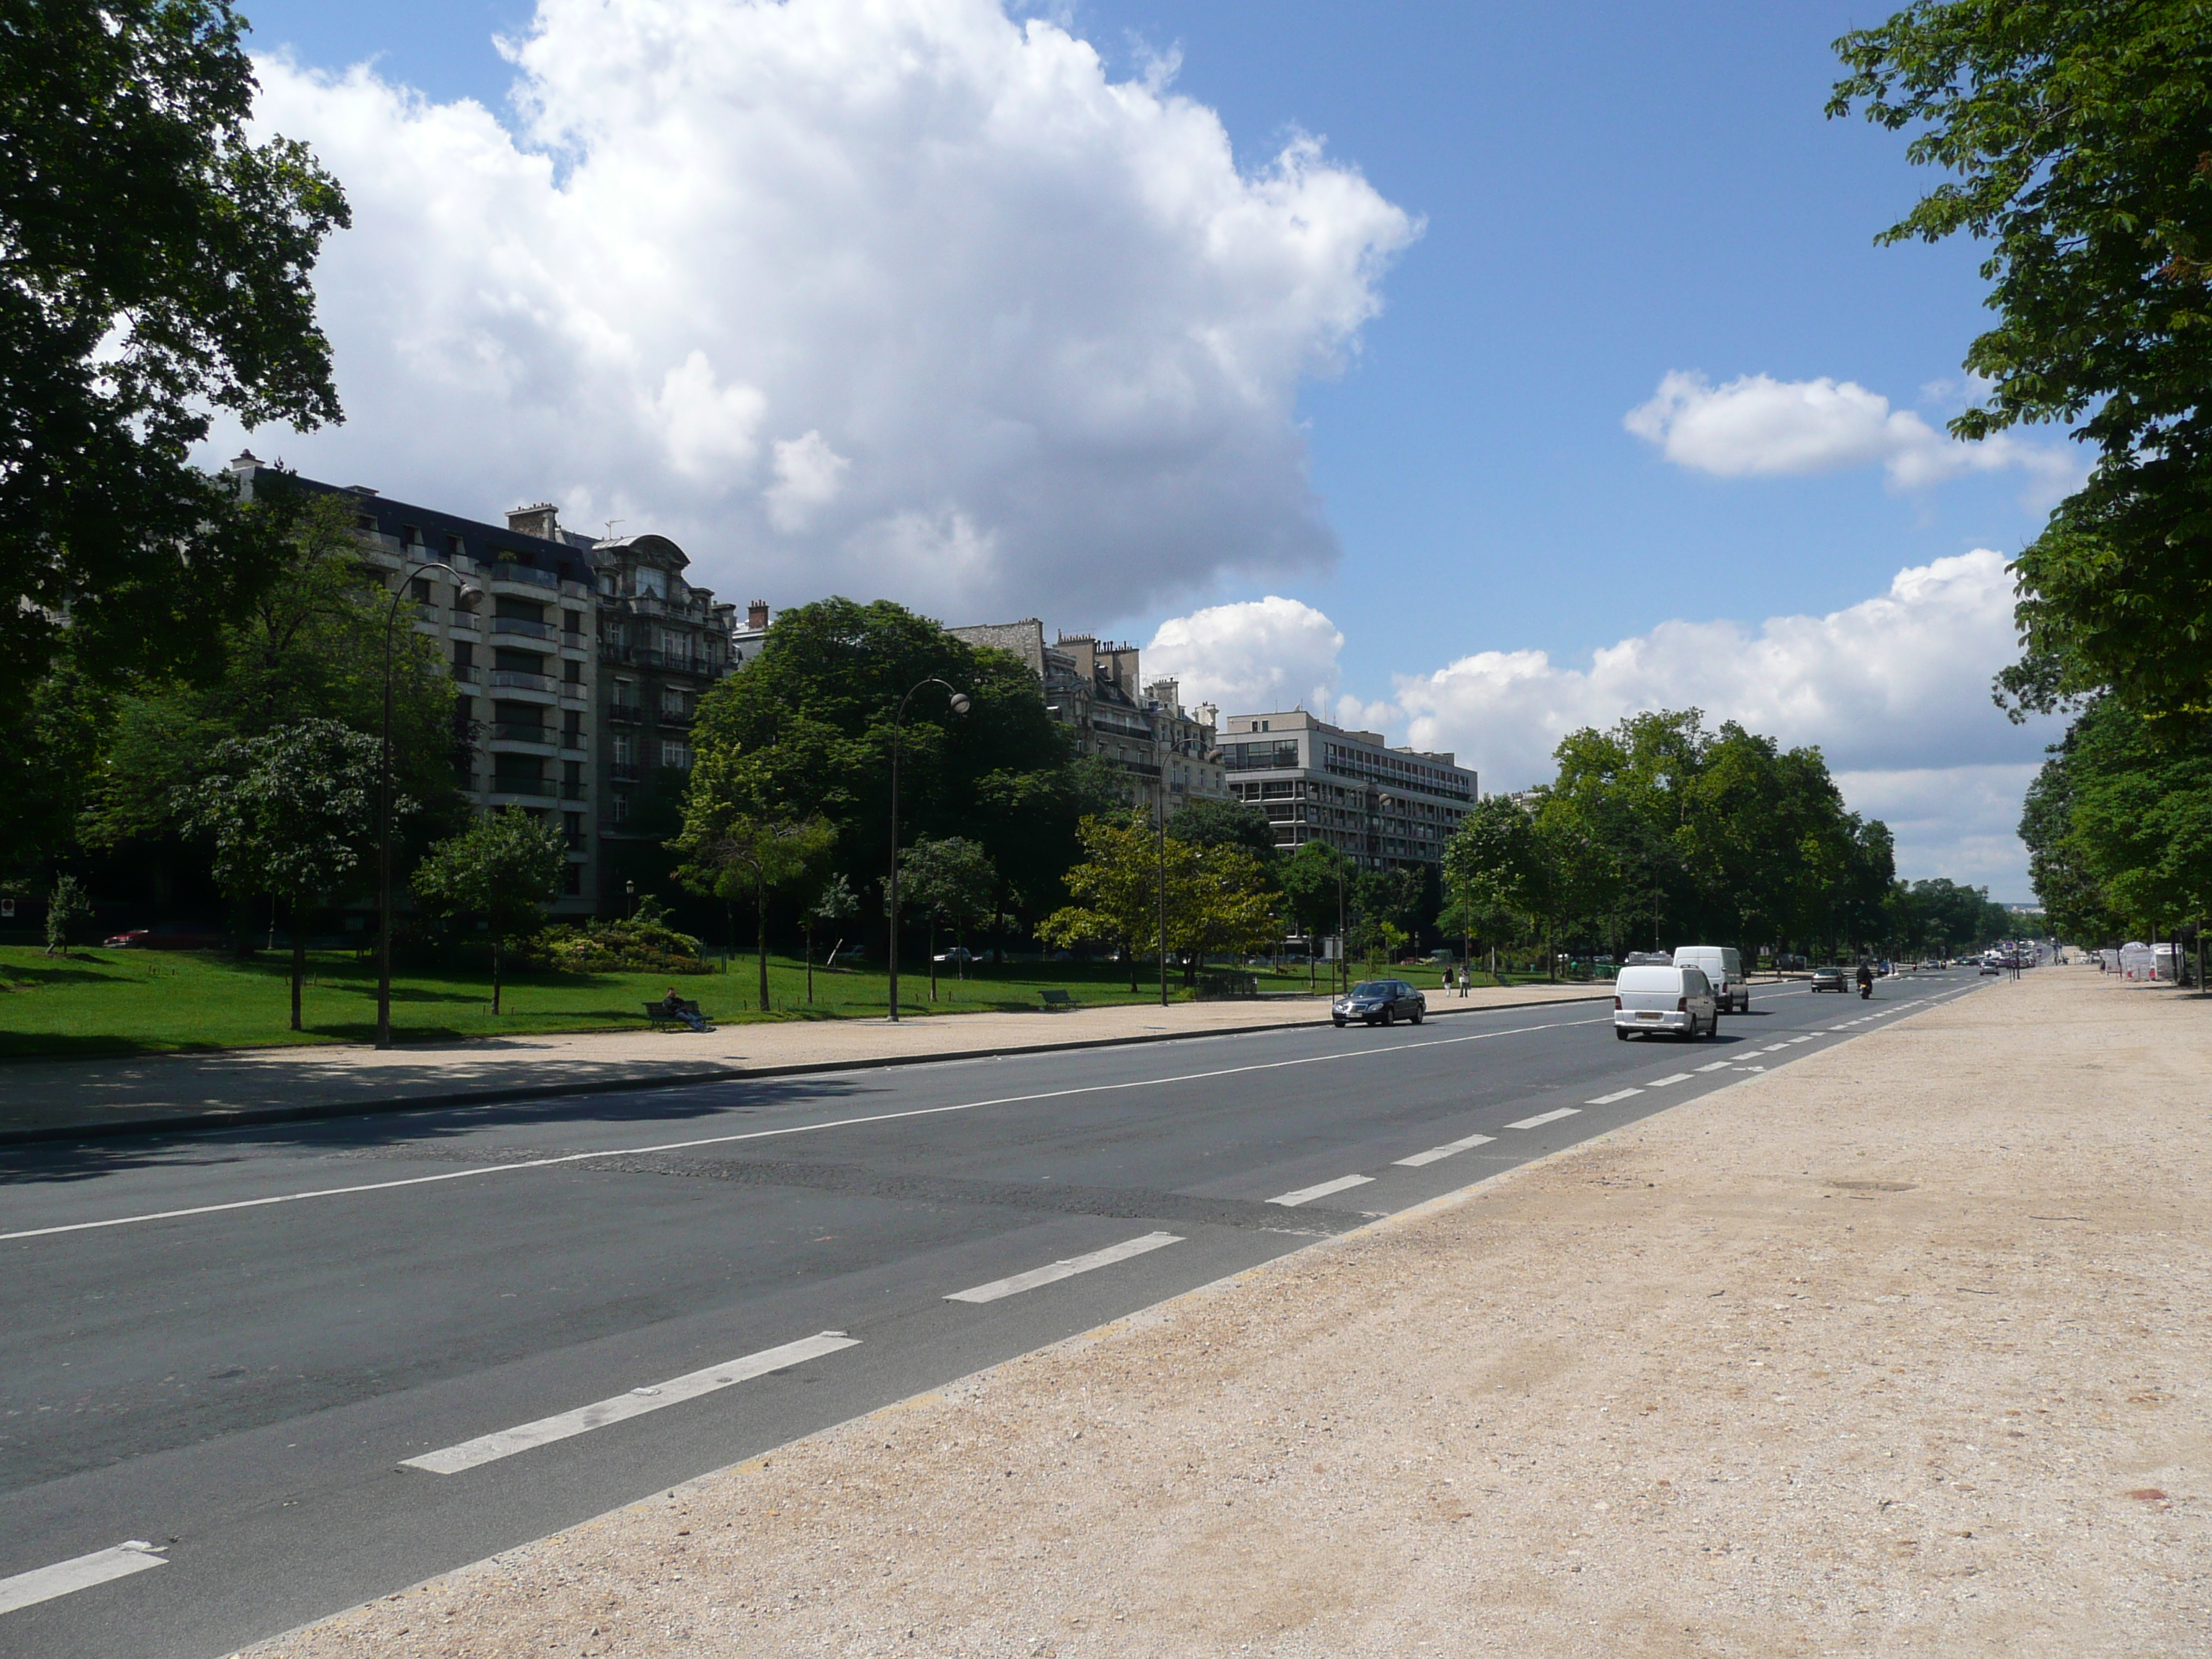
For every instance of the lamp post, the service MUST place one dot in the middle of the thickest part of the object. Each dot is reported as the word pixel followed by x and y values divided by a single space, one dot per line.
pixel 462 590
pixel 958 701
pixel 1162 894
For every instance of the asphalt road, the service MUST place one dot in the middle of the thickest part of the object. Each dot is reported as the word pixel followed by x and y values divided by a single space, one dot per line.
pixel 222 1350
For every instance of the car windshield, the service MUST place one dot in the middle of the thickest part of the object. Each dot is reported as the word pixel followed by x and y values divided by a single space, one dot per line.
pixel 1371 988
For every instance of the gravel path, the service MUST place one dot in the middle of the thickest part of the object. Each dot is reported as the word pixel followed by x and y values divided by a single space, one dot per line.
pixel 1901 1350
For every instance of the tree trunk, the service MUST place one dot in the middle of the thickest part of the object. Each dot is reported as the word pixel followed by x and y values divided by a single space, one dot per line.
pixel 1132 949
pixel 933 958
pixel 299 960
pixel 810 960
pixel 494 975
pixel 761 943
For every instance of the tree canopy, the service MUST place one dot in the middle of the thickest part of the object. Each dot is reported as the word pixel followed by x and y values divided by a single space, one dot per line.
pixel 502 871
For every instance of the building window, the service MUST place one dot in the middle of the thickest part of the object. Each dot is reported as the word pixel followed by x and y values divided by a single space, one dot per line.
pixel 571 778
pixel 572 622
pixel 452 547
pixel 572 880
pixel 419 590
pixel 622 808
pixel 465 655
pixel 676 755
pixel 621 756
pixel 572 673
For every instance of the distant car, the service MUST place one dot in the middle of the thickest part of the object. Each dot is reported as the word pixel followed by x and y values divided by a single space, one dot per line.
pixel 134 940
pixel 1987 969
pixel 1379 1002
pixel 1679 1000
pixel 1832 977
pixel 957 953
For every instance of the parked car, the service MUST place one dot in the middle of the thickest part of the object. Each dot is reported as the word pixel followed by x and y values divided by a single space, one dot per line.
pixel 957 953
pixel 133 941
pixel 1832 976
pixel 1379 1002
pixel 1722 967
pixel 1680 1000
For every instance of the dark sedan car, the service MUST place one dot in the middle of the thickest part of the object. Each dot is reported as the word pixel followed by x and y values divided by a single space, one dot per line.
pixel 1833 977
pixel 1379 1002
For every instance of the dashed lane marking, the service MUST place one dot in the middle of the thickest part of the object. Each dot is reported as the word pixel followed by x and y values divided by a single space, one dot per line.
pixel 490 1447
pixel 1602 1100
pixel 1304 1193
pixel 1065 1269
pixel 1662 1082
pixel 1543 1118
pixel 27 1589
pixel 1437 1152
pixel 1717 1066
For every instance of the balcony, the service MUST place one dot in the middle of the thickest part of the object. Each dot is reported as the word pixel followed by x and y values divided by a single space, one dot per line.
pixel 523 573
pixel 623 771
pixel 624 714
pixel 573 742
pixel 675 717
pixel 522 626
pixel 507 677
pixel 516 732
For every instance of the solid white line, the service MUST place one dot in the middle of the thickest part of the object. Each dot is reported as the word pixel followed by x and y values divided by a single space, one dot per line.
pixel 1662 1082
pixel 1543 1118
pixel 1065 1269
pixel 1603 1100
pixel 490 1447
pixel 1446 1151
pixel 1717 1066
pixel 793 1129
pixel 40 1584
pixel 1321 1191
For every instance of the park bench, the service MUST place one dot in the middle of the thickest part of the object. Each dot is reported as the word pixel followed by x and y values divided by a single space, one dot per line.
pixel 1056 999
pixel 657 1014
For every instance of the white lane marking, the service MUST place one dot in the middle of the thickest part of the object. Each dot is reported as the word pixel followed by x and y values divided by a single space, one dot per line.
pixel 79 1572
pixel 1801 1039
pixel 792 1129
pixel 1602 1100
pixel 490 1447
pixel 1662 1082
pixel 1717 1066
pixel 1774 1048
pixel 1543 1118
pixel 1066 1268
pixel 1446 1151
pixel 1321 1191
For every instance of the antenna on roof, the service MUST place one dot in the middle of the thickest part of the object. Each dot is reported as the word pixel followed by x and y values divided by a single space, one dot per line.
pixel 611 523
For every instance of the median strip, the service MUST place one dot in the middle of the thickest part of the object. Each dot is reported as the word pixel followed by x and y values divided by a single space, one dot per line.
pixel 490 1447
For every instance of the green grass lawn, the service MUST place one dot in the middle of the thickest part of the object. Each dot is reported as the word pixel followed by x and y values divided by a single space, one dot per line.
pixel 118 1002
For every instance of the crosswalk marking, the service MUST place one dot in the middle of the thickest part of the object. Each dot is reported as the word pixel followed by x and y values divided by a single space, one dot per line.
pixel 1065 1269
pixel 1437 1152
pixel 27 1589
pixel 1304 1193
pixel 490 1448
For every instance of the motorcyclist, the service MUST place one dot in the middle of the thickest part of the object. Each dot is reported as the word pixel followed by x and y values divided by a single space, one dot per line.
pixel 1865 982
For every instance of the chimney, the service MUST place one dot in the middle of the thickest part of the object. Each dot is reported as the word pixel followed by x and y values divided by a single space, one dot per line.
pixel 540 518
pixel 757 615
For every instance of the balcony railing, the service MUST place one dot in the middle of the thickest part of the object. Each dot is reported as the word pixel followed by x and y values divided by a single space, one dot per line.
pixel 523 573
pixel 522 625
pixel 521 681
pixel 624 714
pixel 517 731
pixel 625 770
pixel 676 716
pixel 573 742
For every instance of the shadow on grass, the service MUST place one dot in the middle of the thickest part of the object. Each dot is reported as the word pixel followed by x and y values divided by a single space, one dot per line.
pixel 432 1134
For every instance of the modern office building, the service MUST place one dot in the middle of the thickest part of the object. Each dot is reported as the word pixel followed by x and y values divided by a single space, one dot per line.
pixel 1387 808
pixel 1164 751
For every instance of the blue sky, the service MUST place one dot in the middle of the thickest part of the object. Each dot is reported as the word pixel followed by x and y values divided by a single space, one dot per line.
pixel 1605 195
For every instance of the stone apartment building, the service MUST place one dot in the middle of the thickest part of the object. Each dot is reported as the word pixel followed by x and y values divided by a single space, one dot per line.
pixel 1165 752
pixel 579 668
pixel 1387 808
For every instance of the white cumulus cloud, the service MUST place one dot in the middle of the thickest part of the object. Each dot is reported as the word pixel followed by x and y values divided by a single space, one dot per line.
pixel 1251 658
pixel 1756 425
pixel 1042 336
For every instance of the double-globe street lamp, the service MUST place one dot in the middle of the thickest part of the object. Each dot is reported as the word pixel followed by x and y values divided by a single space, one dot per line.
pixel 958 701
pixel 462 591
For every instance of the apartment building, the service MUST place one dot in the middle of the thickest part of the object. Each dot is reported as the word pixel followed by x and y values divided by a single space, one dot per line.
pixel 579 670
pixel 1165 752
pixel 1386 808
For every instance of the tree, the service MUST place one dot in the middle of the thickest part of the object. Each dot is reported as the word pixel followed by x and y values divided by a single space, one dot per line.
pixel 1312 880
pixel 67 905
pixel 835 902
pixel 739 842
pixel 2074 132
pixel 1226 823
pixel 1220 902
pixel 951 882
pixel 1116 889
pixel 1498 863
pixel 502 871
pixel 291 814
pixel 157 270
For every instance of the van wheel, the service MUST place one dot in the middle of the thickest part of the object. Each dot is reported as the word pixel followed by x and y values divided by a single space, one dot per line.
pixel 1621 1031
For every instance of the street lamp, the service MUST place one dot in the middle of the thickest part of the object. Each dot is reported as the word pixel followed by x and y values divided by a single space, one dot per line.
pixel 958 701
pixel 462 590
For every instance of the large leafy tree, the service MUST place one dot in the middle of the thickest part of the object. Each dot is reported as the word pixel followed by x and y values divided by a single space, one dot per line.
pixel 292 815
pixel 738 842
pixel 2075 133
pixel 502 871
pixel 1314 880
pixel 154 267
pixel 1213 899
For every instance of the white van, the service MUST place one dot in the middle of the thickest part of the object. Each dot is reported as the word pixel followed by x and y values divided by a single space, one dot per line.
pixel 1723 965
pixel 1680 1000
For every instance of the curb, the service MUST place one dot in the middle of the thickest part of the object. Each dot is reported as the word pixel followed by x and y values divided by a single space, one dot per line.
pixel 218 1119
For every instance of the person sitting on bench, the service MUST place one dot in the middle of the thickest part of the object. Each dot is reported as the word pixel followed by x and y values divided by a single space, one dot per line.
pixel 672 1007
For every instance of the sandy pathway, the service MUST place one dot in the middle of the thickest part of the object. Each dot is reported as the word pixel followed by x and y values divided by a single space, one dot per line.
pixel 1900 1351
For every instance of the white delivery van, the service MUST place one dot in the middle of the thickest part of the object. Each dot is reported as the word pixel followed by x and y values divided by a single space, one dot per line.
pixel 1679 1000
pixel 1723 964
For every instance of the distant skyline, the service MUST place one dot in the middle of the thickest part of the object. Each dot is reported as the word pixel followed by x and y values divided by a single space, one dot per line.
pixel 1468 371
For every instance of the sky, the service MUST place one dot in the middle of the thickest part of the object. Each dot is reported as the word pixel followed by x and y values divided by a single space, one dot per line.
pixel 1470 372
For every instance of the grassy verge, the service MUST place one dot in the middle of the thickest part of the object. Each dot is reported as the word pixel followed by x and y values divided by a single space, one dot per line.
pixel 120 1002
